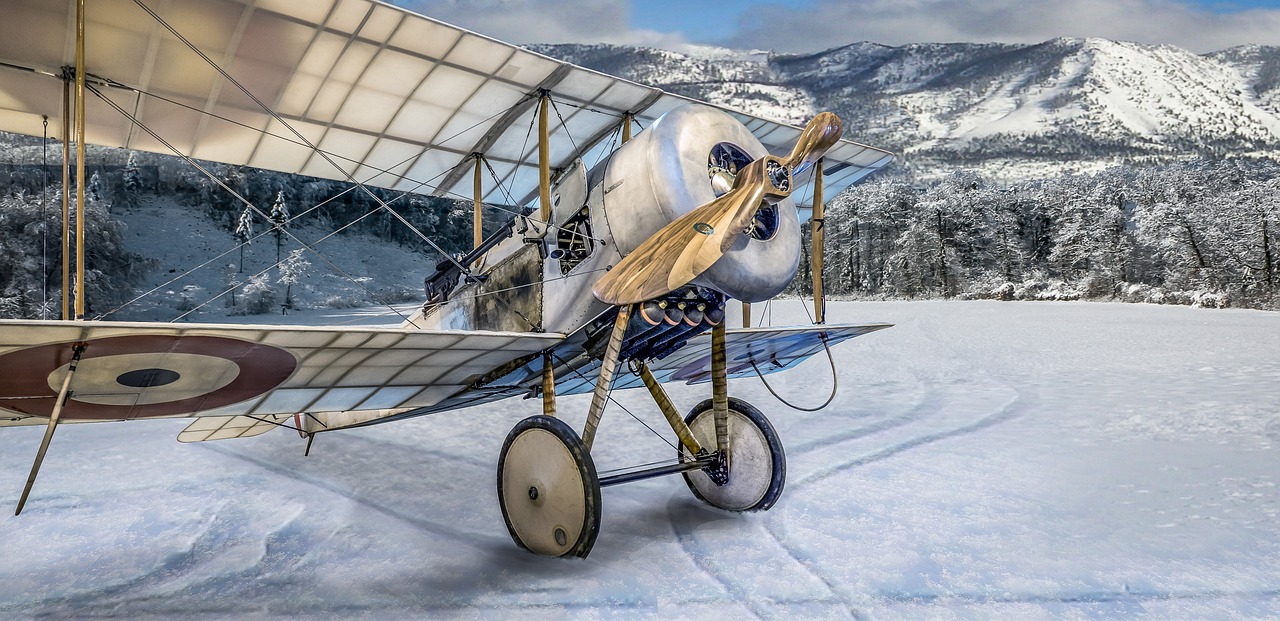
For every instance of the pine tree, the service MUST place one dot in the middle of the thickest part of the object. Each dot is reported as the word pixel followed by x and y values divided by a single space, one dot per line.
pixel 244 232
pixel 280 221
pixel 132 181
pixel 291 271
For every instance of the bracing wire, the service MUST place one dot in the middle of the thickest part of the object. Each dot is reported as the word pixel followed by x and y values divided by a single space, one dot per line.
pixel 301 140
pixel 328 155
pixel 613 140
pixel 564 125
pixel 315 149
pixel 269 267
pixel 381 171
pixel 238 196
pixel 402 194
pixel 609 397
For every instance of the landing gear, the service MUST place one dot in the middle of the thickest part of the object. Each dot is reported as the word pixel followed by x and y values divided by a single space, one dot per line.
pixel 548 489
pixel 756 468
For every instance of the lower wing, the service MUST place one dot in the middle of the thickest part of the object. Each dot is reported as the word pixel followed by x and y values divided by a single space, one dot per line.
pixel 147 370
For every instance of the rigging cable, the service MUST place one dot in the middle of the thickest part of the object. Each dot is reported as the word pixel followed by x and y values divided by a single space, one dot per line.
pixel 380 171
pixel 835 377
pixel 835 382
pixel 563 125
pixel 315 243
pixel 312 146
pixel 609 396
pixel 224 186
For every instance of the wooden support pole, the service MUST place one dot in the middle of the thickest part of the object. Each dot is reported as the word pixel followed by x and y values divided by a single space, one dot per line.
pixel 627 118
pixel 53 424
pixel 669 411
pixel 720 388
pixel 815 263
pixel 746 314
pixel 607 366
pixel 477 224
pixel 544 159
pixel 66 199
pixel 548 385
pixel 80 154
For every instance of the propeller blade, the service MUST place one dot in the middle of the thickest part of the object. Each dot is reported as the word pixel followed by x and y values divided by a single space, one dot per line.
pixel 822 133
pixel 690 245
pixel 685 248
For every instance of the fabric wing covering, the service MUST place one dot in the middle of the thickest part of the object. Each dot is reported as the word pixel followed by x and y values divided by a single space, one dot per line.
pixel 390 98
pixel 147 370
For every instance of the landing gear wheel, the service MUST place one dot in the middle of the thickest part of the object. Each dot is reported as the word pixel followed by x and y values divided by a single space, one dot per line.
pixel 757 465
pixel 548 489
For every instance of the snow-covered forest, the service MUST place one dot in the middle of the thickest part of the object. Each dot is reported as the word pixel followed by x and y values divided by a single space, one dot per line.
pixel 1201 232
pixel 119 182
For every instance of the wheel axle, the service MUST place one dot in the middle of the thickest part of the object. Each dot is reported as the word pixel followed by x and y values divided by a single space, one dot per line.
pixel 705 462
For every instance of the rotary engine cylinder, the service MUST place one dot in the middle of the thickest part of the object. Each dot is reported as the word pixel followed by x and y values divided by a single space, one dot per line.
pixel 684 160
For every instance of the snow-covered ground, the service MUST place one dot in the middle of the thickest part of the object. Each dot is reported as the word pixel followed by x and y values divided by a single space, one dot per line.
pixel 982 460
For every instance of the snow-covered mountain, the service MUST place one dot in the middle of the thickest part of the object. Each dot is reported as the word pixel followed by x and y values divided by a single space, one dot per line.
pixel 1012 111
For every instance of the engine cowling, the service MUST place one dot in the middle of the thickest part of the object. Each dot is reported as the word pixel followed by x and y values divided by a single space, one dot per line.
pixel 685 159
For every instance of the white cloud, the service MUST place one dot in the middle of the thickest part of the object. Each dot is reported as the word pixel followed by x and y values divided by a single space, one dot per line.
pixel 830 23
pixel 545 21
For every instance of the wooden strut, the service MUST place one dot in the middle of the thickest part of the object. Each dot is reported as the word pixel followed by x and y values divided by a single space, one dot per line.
pixel 815 263
pixel 669 411
pixel 66 199
pixel 720 388
pixel 477 223
pixel 80 154
pixel 548 385
pixel 63 394
pixel 605 381
pixel 746 314
pixel 544 159
pixel 627 117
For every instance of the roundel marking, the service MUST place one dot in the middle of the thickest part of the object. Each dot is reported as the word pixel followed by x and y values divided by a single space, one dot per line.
pixel 148 378
pixel 141 376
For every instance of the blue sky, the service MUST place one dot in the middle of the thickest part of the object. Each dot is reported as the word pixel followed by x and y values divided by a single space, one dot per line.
pixel 814 25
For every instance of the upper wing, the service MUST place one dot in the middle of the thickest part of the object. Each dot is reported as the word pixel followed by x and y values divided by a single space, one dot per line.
pixel 140 370
pixel 391 98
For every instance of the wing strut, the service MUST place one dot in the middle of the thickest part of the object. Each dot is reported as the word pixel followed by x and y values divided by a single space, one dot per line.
pixel 80 154
pixel 544 160
pixel 605 382
pixel 53 424
pixel 815 263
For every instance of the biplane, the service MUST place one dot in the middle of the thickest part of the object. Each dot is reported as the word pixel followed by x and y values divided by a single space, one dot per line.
pixel 613 273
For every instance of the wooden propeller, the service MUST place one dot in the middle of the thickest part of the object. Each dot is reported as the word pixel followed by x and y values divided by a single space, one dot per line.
pixel 690 245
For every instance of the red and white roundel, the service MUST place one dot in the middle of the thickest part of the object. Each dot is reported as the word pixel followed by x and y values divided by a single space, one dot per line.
pixel 142 376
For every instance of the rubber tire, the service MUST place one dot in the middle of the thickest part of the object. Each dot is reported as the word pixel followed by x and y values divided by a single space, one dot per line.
pixel 546 439
pixel 761 464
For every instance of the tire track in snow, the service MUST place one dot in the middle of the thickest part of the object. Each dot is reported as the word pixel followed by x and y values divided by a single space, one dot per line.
pixel 937 399
pixel 225 530
pixel 702 556
pixel 460 536
pixel 1008 411
pixel 1089 597
pixel 695 524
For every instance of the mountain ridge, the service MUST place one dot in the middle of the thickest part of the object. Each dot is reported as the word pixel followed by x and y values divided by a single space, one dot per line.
pixel 1011 111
